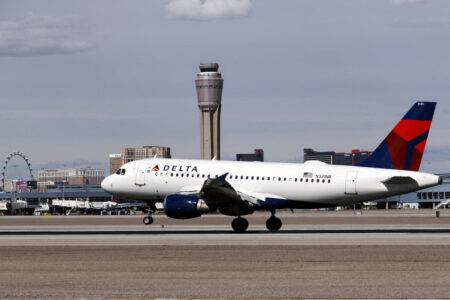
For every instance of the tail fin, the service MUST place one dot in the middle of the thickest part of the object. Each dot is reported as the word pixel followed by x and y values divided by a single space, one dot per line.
pixel 403 148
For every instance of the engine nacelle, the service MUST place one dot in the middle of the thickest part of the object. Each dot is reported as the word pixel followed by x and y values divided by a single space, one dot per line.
pixel 184 206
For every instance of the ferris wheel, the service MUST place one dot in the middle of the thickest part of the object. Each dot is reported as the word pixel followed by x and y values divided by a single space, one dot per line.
pixel 8 159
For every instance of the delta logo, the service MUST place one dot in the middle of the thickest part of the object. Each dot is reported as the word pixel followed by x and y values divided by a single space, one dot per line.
pixel 155 168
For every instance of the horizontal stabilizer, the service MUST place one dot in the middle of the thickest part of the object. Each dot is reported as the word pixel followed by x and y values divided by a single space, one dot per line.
pixel 399 180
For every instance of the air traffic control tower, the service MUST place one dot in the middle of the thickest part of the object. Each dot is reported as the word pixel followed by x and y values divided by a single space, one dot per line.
pixel 209 85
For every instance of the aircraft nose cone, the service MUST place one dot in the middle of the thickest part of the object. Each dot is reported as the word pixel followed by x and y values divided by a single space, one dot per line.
pixel 106 184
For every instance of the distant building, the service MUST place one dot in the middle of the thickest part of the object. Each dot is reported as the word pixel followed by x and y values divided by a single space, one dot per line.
pixel 115 162
pixel 336 158
pixel 358 156
pixel 136 153
pixel 71 176
pixel 324 156
pixel 258 155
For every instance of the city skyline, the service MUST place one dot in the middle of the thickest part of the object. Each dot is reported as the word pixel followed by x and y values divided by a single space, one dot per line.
pixel 82 81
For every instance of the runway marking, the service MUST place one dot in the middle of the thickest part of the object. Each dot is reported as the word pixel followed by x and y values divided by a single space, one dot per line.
pixel 201 232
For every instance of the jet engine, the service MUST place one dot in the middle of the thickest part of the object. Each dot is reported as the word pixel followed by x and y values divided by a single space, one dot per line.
pixel 184 206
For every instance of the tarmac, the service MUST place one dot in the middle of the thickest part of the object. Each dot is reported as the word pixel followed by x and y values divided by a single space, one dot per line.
pixel 379 254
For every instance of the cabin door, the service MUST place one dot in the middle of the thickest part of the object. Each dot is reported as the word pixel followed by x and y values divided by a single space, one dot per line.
pixel 350 183
pixel 140 176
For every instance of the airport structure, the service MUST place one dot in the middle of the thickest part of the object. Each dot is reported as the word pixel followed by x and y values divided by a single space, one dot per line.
pixel 115 162
pixel 70 176
pixel 336 158
pixel 257 155
pixel 136 153
pixel 209 84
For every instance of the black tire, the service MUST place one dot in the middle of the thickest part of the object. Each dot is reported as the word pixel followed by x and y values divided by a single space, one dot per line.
pixel 273 224
pixel 239 224
pixel 148 220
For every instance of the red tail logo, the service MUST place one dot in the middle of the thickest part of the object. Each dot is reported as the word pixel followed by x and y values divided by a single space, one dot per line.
pixel 155 168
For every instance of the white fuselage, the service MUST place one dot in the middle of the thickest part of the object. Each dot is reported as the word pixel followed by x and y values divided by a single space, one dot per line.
pixel 312 182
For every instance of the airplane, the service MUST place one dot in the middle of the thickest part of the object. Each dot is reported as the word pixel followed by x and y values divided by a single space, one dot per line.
pixel 191 188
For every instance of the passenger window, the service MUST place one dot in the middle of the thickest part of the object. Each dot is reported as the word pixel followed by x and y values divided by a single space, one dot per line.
pixel 329 180
pixel 118 171
pixel 171 174
pixel 312 180
pixel 176 174
pixel 198 175
pixel 246 177
pixel 301 179
pixel 284 179
pixel 306 180
pixel 257 177
pixel 252 177
pixel 279 178
pixel 268 178
pixel 242 177
pixel 323 180
pixel 295 179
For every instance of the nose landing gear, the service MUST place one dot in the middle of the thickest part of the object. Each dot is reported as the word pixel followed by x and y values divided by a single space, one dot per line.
pixel 239 224
pixel 148 220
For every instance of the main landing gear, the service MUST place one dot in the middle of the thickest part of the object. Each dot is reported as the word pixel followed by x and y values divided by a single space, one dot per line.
pixel 239 224
pixel 273 223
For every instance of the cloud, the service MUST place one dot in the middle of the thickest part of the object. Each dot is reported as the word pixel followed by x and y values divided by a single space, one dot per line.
pixel 208 9
pixel 35 35
pixel 405 2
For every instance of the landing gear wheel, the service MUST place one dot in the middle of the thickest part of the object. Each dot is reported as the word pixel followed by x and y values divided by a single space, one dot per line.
pixel 239 224
pixel 148 220
pixel 273 223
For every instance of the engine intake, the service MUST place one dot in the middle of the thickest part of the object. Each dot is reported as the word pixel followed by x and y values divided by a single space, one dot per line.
pixel 184 206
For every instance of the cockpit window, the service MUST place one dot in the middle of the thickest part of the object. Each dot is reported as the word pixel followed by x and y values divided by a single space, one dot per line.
pixel 120 172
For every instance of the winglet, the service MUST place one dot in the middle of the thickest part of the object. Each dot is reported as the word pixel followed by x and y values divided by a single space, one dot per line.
pixel 222 178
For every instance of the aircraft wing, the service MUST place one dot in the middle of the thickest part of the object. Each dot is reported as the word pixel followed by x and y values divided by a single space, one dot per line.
pixel 218 192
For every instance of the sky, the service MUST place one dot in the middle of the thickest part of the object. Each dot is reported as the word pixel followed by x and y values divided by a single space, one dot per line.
pixel 82 79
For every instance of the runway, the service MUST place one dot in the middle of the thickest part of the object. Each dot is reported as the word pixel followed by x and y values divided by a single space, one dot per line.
pixel 91 257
